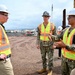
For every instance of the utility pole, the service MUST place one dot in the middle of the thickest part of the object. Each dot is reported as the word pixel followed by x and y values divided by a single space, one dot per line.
pixel 74 3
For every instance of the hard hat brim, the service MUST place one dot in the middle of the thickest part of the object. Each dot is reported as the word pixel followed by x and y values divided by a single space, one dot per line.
pixel 70 14
pixel 45 16
pixel 4 12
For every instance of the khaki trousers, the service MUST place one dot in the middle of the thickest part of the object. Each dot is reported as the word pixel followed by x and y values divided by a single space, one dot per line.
pixel 6 67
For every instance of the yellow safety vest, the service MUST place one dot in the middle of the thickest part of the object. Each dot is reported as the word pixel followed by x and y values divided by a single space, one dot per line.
pixel 68 40
pixel 44 32
pixel 4 43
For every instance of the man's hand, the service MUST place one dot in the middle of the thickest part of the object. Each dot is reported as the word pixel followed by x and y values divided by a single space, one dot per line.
pixel 3 56
pixel 59 44
pixel 38 46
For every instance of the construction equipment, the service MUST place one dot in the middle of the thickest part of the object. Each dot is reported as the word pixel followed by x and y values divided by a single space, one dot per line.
pixel 64 19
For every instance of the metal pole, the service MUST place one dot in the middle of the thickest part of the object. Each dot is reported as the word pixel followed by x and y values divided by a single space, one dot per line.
pixel 64 19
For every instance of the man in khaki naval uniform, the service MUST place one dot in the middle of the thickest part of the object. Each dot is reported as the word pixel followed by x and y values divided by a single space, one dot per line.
pixel 5 51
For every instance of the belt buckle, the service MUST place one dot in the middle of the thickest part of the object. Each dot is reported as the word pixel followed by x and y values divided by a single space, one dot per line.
pixel 1 59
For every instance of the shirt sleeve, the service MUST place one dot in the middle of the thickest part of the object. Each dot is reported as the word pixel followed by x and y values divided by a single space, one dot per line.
pixel 38 36
pixel 58 37
pixel 71 47
pixel 54 31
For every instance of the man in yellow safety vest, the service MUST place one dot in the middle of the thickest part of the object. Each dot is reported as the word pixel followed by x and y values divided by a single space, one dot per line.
pixel 5 51
pixel 67 44
pixel 45 44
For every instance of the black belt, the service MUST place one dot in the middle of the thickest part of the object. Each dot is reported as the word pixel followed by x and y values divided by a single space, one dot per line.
pixel 68 60
pixel 44 41
pixel 8 56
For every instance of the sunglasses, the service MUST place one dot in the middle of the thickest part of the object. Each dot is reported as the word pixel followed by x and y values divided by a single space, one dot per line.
pixel 5 14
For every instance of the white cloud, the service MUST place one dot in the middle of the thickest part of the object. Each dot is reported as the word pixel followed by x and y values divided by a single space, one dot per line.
pixel 30 11
pixel 62 1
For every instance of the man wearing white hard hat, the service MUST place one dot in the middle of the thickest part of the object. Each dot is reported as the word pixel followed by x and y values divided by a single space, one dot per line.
pixel 59 30
pixel 5 50
pixel 67 44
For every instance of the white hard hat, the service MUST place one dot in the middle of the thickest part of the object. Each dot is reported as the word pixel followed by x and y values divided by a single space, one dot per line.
pixel 59 28
pixel 3 8
pixel 71 12
pixel 45 13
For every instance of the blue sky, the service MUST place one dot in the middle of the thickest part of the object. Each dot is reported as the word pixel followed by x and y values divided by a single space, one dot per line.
pixel 28 13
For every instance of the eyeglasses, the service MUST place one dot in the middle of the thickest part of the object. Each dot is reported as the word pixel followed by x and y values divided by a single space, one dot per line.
pixel 5 14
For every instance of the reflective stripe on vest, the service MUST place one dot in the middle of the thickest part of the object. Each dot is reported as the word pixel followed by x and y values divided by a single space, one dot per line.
pixel 4 47
pixel 44 32
pixel 68 40
pixel 4 42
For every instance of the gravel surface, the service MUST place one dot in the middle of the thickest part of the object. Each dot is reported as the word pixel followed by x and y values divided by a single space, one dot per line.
pixel 26 58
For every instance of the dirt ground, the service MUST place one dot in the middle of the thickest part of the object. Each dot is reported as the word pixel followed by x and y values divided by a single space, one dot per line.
pixel 26 58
